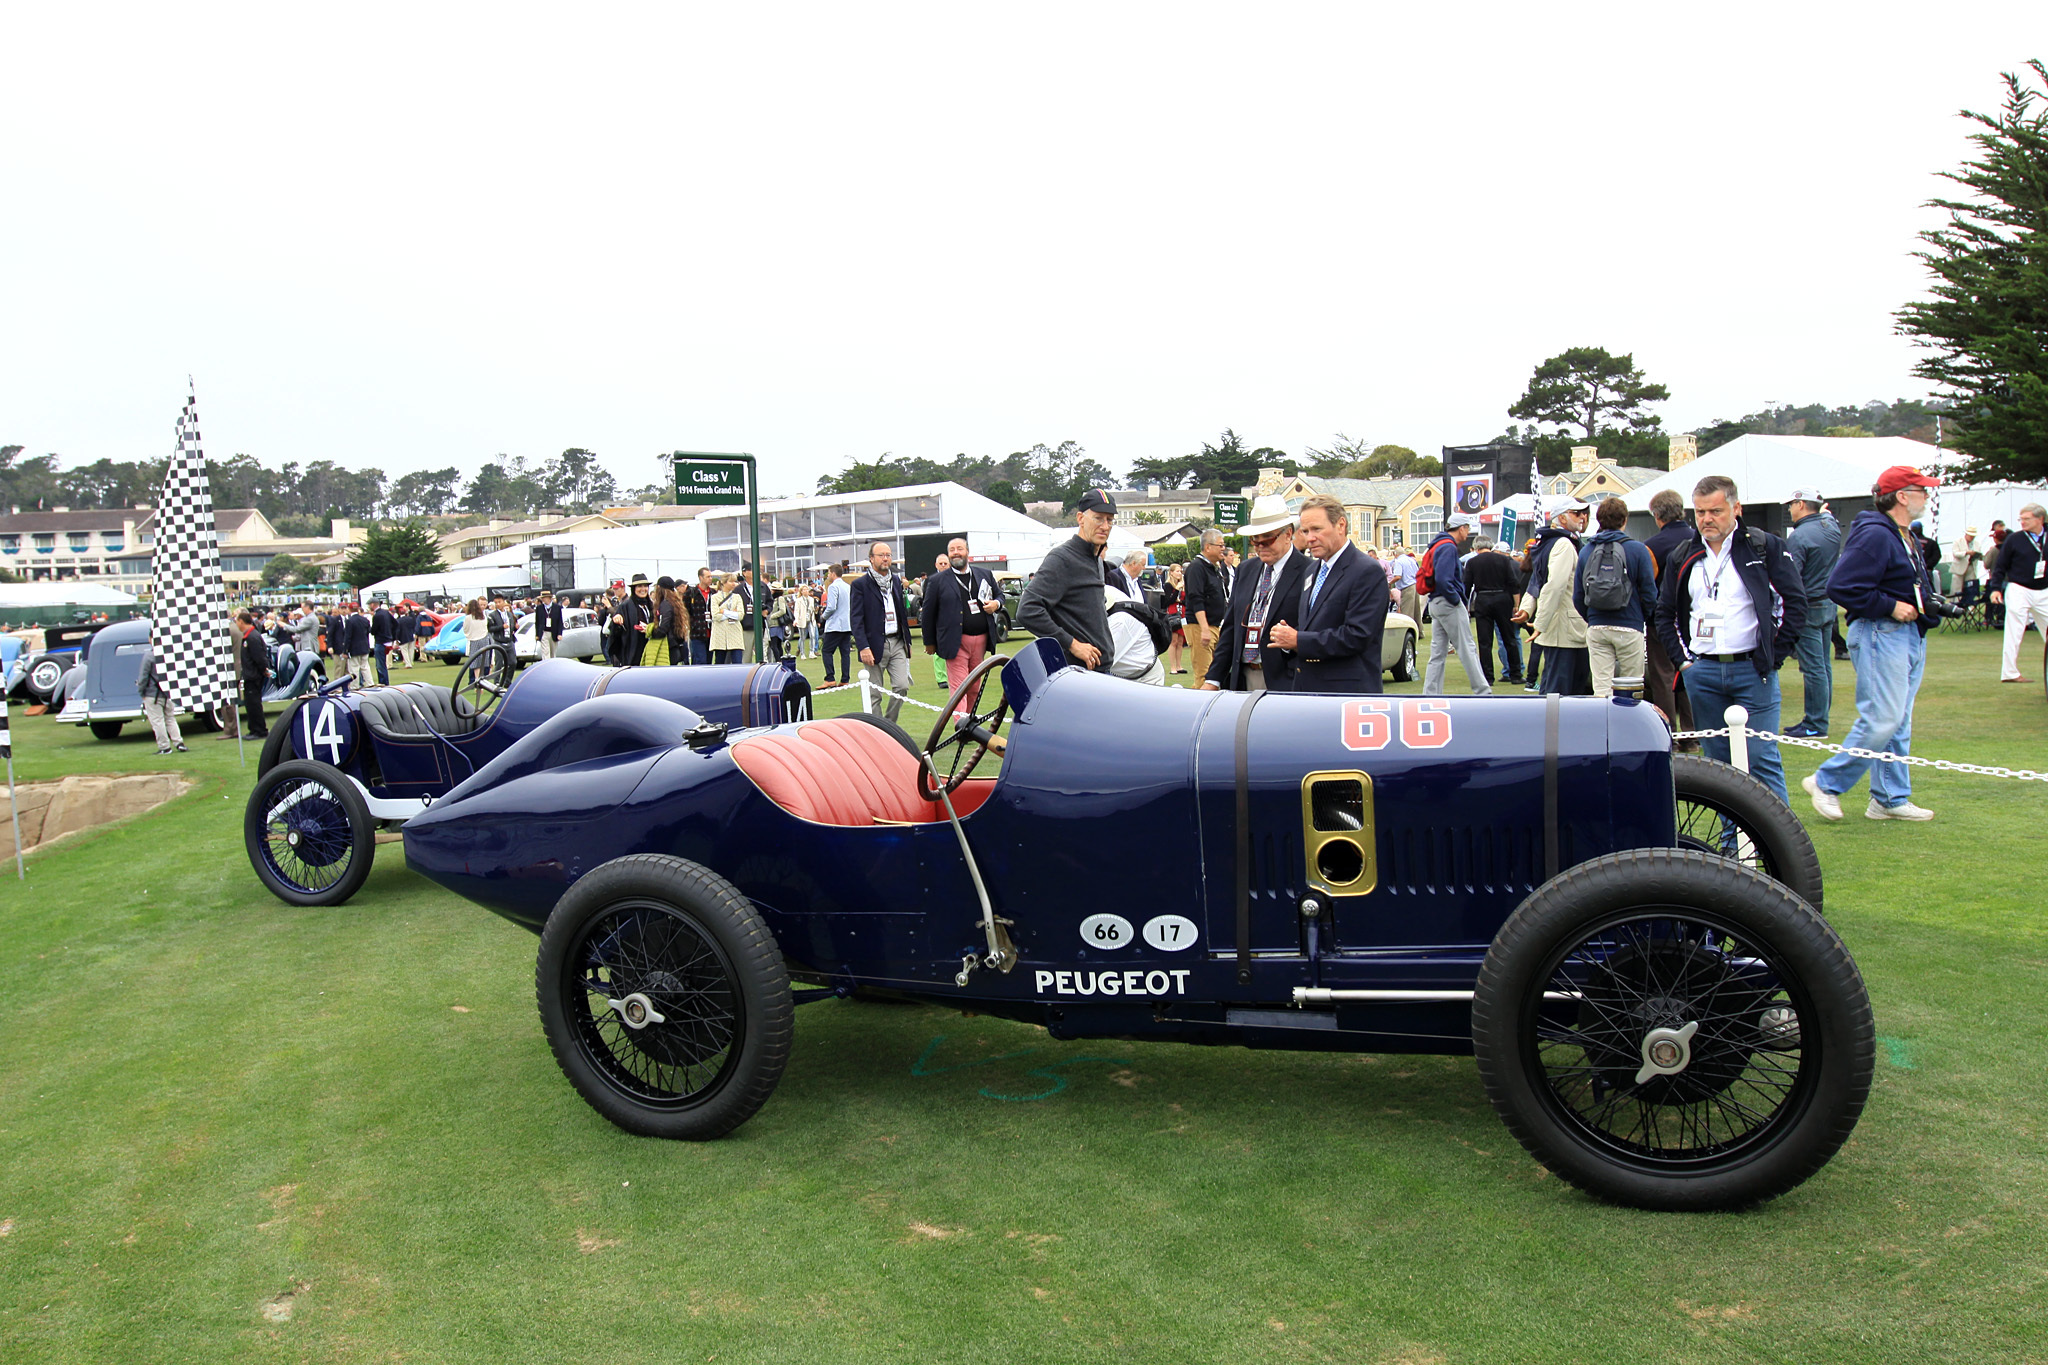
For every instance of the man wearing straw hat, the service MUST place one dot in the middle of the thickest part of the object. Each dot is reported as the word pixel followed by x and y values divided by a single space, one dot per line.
pixel 1246 659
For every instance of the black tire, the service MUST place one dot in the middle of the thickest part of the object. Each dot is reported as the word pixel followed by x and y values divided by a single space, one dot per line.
pixel 278 745
pixel 315 849
pixel 999 627
pixel 1725 811
pixel 105 729
pixel 674 939
pixel 1404 666
pixel 1616 956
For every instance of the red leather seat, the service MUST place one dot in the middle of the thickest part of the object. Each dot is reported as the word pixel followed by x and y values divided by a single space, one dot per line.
pixel 844 772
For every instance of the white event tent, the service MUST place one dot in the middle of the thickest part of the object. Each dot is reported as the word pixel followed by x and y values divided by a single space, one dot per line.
pixel 1767 469
pixel 797 534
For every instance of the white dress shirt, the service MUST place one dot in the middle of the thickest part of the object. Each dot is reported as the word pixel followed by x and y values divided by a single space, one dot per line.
pixel 1723 616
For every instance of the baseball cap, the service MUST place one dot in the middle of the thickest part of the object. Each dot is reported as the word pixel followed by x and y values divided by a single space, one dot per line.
pixel 1808 495
pixel 1457 519
pixel 1904 476
pixel 1096 500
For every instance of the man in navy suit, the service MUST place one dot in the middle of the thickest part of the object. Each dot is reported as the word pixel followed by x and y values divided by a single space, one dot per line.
pixel 1343 608
pixel 959 602
pixel 1266 597
pixel 547 624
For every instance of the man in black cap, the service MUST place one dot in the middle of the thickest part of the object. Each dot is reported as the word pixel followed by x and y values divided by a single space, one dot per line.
pixel 1064 600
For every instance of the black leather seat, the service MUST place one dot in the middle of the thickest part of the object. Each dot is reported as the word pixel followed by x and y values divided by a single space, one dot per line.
pixel 406 711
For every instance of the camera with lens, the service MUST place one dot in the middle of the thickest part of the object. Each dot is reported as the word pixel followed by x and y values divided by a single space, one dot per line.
pixel 1941 608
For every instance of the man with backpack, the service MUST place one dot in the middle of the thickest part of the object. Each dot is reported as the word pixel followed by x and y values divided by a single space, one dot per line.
pixel 1437 574
pixel 1547 601
pixel 1615 589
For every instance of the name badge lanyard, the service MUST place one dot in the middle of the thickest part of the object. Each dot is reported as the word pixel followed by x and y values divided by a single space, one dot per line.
pixel 1707 631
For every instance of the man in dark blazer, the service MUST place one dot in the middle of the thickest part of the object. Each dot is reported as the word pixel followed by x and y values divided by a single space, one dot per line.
pixel 1267 595
pixel 881 627
pixel 383 634
pixel 959 602
pixel 356 645
pixel 1343 608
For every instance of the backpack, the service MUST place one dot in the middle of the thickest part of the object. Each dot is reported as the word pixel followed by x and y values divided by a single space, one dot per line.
pixel 1425 568
pixel 1607 580
pixel 1154 622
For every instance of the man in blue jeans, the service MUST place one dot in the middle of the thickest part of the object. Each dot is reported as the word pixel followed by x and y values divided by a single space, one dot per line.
pixel 1816 543
pixel 1881 582
pixel 1729 612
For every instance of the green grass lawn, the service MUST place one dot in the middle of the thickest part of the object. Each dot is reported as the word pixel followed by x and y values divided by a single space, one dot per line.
pixel 232 1130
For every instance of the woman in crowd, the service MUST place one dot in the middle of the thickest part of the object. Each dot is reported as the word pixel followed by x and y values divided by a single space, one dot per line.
pixel 671 628
pixel 728 618
pixel 476 631
pixel 804 616
pixel 778 620
pixel 1172 601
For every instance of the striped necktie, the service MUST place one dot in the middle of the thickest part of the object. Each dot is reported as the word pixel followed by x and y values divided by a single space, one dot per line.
pixel 1321 574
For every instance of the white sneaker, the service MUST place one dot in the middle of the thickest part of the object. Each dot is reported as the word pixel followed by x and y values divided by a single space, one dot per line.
pixel 1827 805
pixel 1905 810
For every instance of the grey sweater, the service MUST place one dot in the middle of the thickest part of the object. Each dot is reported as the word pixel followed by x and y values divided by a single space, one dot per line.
pixel 1064 602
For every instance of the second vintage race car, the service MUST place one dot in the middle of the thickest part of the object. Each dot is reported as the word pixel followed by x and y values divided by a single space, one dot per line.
pixel 346 762
pixel 1511 877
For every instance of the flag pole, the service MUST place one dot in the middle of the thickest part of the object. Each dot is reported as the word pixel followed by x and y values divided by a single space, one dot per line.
pixel 14 809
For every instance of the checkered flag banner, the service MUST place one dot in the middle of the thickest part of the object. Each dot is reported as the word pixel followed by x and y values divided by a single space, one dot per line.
pixel 189 629
pixel 6 745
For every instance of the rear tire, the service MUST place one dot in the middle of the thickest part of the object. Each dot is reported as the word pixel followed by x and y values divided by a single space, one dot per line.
pixel 1722 809
pixel 105 729
pixel 1404 665
pixel 277 747
pixel 680 947
pixel 1673 959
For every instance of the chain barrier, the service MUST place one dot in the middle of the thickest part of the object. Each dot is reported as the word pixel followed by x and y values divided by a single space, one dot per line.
pixel 869 685
pixel 1912 760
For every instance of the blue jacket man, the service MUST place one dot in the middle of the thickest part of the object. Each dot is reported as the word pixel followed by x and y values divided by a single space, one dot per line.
pixel 1642 579
pixel 1610 564
pixel 1881 582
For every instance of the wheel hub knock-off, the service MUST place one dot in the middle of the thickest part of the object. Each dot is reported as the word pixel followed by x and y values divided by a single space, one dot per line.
pixel 1666 1051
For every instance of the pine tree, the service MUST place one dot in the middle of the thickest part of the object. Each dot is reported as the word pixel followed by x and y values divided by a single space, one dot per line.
pixel 1986 326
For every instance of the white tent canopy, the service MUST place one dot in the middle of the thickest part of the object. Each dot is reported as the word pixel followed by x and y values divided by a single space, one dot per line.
pixel 1766 469
pixel 30 596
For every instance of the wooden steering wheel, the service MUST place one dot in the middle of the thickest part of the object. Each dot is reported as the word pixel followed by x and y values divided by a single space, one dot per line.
pixel 972 734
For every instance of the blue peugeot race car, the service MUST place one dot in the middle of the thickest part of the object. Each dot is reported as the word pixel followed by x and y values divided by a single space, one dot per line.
pixel 1658 1009
pixel 347 761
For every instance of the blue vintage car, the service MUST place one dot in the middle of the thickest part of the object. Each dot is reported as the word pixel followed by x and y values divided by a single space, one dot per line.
pixel 1512 877
pixel 101 692
pixel 347 761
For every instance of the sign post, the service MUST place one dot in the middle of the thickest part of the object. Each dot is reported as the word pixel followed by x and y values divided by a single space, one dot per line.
pixel 1231 513
pixel 712 479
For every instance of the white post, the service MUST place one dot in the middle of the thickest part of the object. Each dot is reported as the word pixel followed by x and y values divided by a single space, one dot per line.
pixel 13 802
pixel 1737 718
pixel 867 702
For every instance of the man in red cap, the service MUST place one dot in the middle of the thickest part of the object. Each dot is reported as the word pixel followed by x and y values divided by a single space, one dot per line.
pixel 1881 583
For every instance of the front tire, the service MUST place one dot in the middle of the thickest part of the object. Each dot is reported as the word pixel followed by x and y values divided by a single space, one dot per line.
pixel 1670 1030
pixel 664 998
pixel 309 834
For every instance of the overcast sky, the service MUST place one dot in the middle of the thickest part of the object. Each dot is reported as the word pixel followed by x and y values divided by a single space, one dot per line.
pixel 415 236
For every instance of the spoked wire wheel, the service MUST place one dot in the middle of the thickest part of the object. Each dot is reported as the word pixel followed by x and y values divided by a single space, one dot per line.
pixel 1726 812
pixel 309 834
pixel 1674 1031
pixel 664 998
